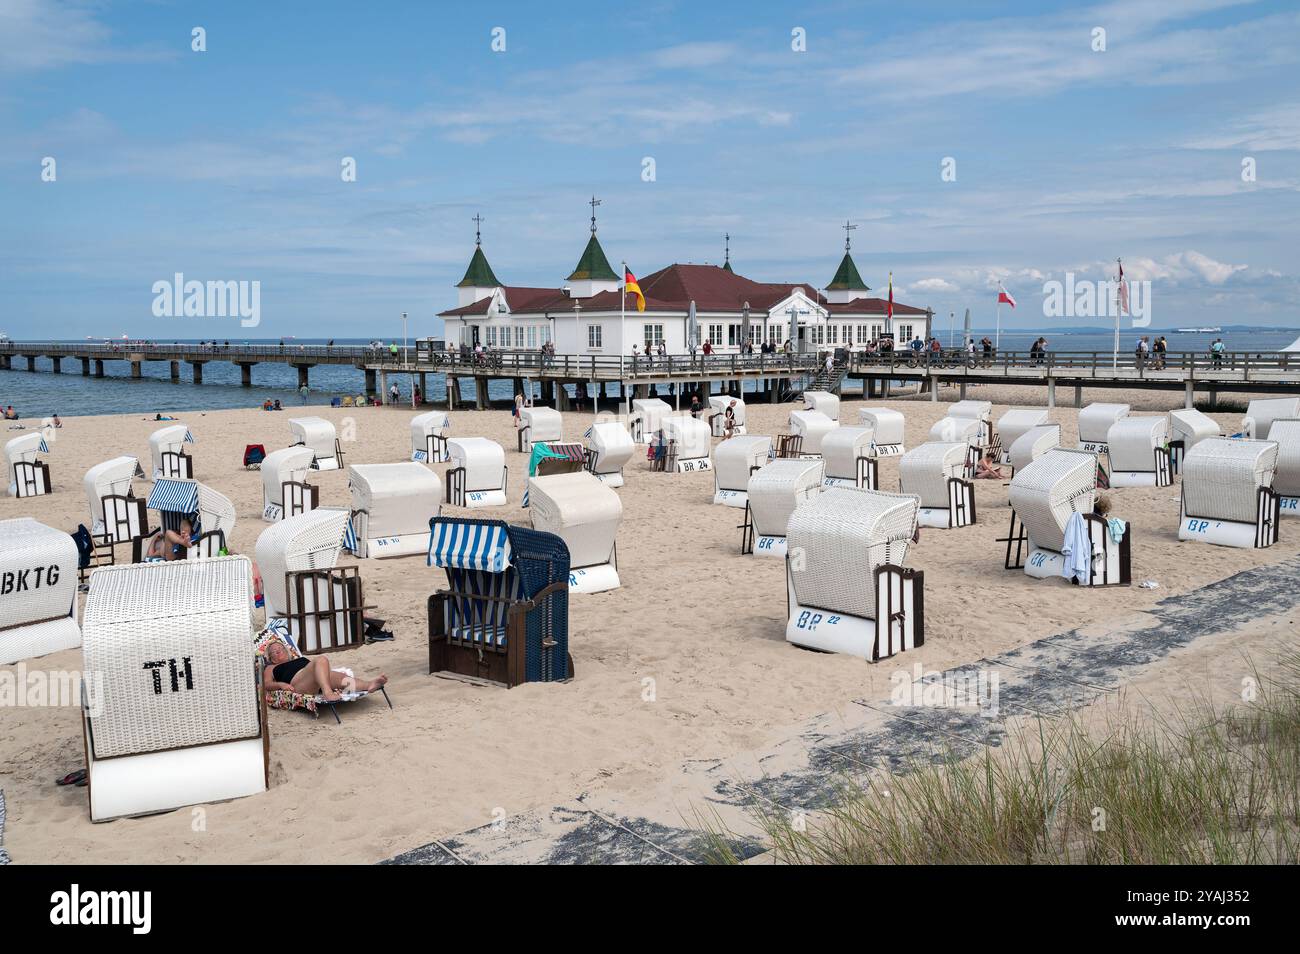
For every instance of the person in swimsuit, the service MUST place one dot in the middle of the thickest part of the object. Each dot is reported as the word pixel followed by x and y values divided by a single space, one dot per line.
pixel 173 544
pixel 311 676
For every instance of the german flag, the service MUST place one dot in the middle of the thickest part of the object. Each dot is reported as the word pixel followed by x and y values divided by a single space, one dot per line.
pixel 630 286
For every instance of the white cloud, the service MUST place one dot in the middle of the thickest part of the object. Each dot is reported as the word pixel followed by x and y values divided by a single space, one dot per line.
pixel 932 285
pixel 48 34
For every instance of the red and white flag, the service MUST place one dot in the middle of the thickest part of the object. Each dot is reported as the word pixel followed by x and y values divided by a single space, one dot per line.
pixel 1121 293
pixel 1004 297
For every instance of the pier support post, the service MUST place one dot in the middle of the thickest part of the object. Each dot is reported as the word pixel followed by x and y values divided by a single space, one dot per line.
pixel 176 370
pixel 5 362
pixel 198 371
pixel 370 381
pixel 1189 391
pixel 480 394
pixel 1051 392
pixel 302 375
pixel 424 387
pixel 383 386
pixel 31 362
pixel 449 383
pixel 1078 396
pixel 1214 397
pixel 934 388
pixel 963 390
pixel 57 363
pixel 561 397
pixel 99 367
pixel 246 374
pixel 137 369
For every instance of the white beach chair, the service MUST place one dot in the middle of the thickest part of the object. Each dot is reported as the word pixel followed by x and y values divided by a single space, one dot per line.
pixel 719 403
pixel 429 437
pixel 647 413
pixel 38 590
pixel 688 444
pixel 1187 428
pixel 810 427
pixel 585 514
pixel 1033 444
pixel 319 435
pixel 1228 497
pixel 392 505
pixel 1286 434
pixel 1095 422
pixel 285 491
pixel 850 458
pixel 847 589
pixel 320 602
pixel 935 474
pixel 538 425
pixel 477 476
pixel 1139 456
pixel 167 448
pixel 29 476
pixel 1261 414
pixel 888 428
pixel 774 492
pixel 116 514
pixel 734 460
pixel 824 402
pixel 609 448
pixel 964 430
pixel 981 411
pixel 1045 496
pixel 211 513
pixel 175 717
pixel 1014 423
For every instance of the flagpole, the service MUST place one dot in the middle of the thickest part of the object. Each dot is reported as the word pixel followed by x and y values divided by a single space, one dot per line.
pixel 1114 360
pixel 997 335
pixel 622 334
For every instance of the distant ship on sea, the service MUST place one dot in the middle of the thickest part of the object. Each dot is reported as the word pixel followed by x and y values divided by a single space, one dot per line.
pixel 1199 331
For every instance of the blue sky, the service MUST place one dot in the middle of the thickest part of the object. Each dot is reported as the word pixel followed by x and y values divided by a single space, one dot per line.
pixel 225 164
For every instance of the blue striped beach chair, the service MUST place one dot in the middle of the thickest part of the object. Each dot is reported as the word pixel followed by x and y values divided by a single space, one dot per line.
pixel 504 616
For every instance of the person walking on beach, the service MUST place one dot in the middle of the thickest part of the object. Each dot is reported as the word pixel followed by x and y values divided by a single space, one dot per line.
pixel 394 395
pixel 303 392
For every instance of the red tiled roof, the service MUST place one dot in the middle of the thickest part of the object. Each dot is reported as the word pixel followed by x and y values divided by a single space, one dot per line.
pixel 713 289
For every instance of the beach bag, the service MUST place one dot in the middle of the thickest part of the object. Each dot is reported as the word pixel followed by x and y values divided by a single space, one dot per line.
pixel 254 454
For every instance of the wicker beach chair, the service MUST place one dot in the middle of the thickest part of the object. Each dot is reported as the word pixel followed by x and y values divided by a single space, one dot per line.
pixel 538 424
pixel 504 616
pixel 934 474
pixel 391 508
pixel 211 514
pixel 1261 414
pixel 888 430
pixel 1139 452
pixel 1286 434
pixel 1228 496
pixel 774 491
pixel 1045 496
pixel 981 411
pixel 585 514
pixel 966 430
pixel 116 514
pixel 734 460
pixel 609 447
pixel 1187 428
pixel 718 404
pixel 38 590
pixel 646 418
pixel 811 427
pixel 321 603
pixel 167 448
pixel 29 476
pixel 847 589
pixel 429 437
pixel 478 474
pixel 690 442
pixel 1095 422
pixel 1014 423
pixel 175 717
pixel 285 490
pixel 319 435
pixel 824 402
pixel 1033 444
pixel 850 456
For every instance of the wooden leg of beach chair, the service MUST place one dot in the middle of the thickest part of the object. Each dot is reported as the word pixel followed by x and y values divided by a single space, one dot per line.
pixel 334 711
pixel 437 638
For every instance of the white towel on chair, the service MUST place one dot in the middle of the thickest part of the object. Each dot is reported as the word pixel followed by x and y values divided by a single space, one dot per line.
pixel 1077 550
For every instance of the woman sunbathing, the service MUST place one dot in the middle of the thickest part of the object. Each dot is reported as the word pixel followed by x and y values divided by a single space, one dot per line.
pixel 173 544
pixel 986 470
pixel 311 676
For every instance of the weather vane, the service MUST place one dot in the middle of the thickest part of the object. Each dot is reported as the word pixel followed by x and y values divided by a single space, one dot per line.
pixel 478 222
pixel 593 203
pixel 847 227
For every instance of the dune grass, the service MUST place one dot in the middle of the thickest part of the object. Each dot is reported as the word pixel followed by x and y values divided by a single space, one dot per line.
pixel 1208 786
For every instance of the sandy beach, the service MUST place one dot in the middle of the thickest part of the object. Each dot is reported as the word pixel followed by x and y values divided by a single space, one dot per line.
pixel 687 660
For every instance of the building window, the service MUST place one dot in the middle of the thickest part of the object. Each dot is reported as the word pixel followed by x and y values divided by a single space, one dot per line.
pixel 654 334
pixel 756 334
pixel 491 336
pixel 735 335
pixel 715 335
pixel 904 333
pixel 833 334
pixel 532 336
pixel 593 336
pixel 546 333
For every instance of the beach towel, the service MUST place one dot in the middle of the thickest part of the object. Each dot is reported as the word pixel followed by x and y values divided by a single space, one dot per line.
pixel 1116 527
pixel 1077 550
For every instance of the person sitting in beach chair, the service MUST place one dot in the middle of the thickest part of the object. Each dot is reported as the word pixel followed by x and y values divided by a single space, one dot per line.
pixel 172 544
pixel 310 677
